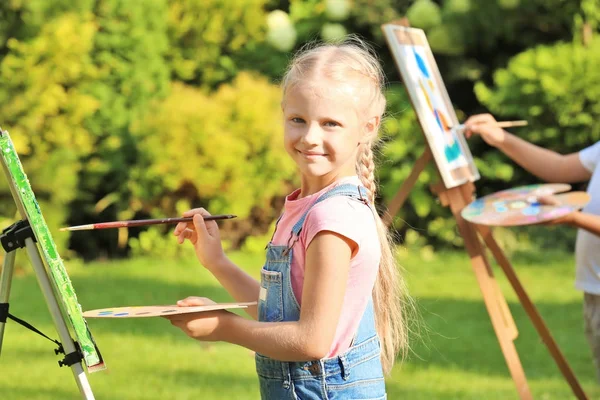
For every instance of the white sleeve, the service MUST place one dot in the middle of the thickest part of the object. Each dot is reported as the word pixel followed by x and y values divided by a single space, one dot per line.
pixel 590 156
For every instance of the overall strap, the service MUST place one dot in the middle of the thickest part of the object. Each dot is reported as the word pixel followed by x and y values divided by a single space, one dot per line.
pixel 347 189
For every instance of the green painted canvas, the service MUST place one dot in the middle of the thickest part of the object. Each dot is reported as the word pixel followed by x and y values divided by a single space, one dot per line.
pixel 29 209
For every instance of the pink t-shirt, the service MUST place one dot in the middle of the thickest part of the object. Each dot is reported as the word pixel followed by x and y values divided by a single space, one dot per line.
pixel 346 217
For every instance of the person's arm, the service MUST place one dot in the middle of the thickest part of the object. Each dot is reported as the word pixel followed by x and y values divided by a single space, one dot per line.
pixel 582 220
pixel 309 338
pixel 205 237
pixel 547 165
pixel 589 222
pixel 241 286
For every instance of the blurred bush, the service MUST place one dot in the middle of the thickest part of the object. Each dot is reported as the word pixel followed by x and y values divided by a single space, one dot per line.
pixel 209 39
pixel 223 152
pixel 43 92
pixel 130 109
pixel 129 51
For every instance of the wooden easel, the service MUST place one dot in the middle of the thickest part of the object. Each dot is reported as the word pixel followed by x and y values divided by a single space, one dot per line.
pixel 456 199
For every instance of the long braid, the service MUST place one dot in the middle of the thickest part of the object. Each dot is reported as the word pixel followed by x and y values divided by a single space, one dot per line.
pixel 365 168
pixel 389 290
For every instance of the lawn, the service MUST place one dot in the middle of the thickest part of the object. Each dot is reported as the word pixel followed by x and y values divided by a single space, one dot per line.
pixel 456 355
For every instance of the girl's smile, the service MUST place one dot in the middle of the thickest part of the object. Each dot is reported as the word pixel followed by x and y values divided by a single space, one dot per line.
pixel 312 155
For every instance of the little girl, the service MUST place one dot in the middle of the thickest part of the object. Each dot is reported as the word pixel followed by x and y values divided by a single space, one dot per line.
pixel 330 316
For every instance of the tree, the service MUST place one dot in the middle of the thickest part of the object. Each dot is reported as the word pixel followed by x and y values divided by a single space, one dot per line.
pixel 222 151
pixel 129 52
pixel 43 92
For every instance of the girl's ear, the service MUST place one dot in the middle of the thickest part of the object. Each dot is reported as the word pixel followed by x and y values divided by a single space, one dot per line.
pixel 371 129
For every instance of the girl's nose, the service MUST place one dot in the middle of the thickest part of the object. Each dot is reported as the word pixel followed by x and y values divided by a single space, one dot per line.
pixel 312 134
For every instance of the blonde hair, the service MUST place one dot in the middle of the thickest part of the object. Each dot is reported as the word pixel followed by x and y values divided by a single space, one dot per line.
pixel 353 61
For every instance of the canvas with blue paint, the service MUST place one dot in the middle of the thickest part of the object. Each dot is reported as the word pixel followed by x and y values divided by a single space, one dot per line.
pixel 432 104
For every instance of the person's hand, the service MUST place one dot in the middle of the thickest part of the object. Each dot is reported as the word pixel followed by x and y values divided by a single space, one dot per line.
pixel 553 201
pixel 201 325
pixel 204 235
pixel 486 126
pixel 568 219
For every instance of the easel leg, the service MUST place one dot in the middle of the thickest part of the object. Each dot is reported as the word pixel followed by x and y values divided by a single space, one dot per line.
pixel 491 295
pixel 531 310
pixel 5 279
pixel 507 318
pixel 493 299
pixel 57 317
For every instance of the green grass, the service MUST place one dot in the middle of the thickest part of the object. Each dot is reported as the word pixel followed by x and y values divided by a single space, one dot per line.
pixel 456 357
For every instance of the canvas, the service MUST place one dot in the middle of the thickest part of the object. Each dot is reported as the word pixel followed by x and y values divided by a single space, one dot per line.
pixel 29 209
pixel 432 104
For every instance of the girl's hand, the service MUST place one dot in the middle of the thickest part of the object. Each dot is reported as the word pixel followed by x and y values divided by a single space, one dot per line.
pixel 486 126
pixel 204 235
pixel 201 325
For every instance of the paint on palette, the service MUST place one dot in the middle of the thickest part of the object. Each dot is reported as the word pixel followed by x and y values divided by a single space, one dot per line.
pixel 157 311
pixel 520 206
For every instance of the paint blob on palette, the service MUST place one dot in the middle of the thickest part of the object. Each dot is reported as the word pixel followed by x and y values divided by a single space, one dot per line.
pixel 158 311
pixel 523 205
pixel 524 192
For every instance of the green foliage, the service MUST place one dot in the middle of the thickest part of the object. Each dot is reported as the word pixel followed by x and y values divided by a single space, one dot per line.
pixel 424 14
pixel 208 39
pixel 337 10
pixel 444 39
pixel 556 89
pixel 155 243
pixel 129 52
pixel 255 244
pixel 332 32
pixel 42 90
pixel 524 23
pixel 223 151
pixel 281 34
pixel 368 15
pixel 590 10
pixel 24 19
pixel 331 19
pixel 123 109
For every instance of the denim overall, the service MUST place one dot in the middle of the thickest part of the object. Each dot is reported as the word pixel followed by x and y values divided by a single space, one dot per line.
pixel 354 375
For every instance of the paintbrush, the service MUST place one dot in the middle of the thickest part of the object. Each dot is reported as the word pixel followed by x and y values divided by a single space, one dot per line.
pixel 142 222
pixel 499 124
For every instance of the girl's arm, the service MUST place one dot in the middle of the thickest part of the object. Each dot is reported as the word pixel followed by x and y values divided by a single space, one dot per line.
pixel 310 338
pixel 205 237
pixel 241 286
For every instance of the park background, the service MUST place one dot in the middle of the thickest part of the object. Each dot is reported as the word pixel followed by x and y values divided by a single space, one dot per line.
pixel 143 109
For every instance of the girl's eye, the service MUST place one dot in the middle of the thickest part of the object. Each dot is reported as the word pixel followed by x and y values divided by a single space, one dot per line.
pixel 297 120
pixel 331 124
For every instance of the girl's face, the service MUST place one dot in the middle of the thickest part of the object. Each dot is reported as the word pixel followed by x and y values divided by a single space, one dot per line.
pixel 323 129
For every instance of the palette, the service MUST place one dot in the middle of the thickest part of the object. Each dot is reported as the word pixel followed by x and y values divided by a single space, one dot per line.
pixel 521 206
pixel 158 311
